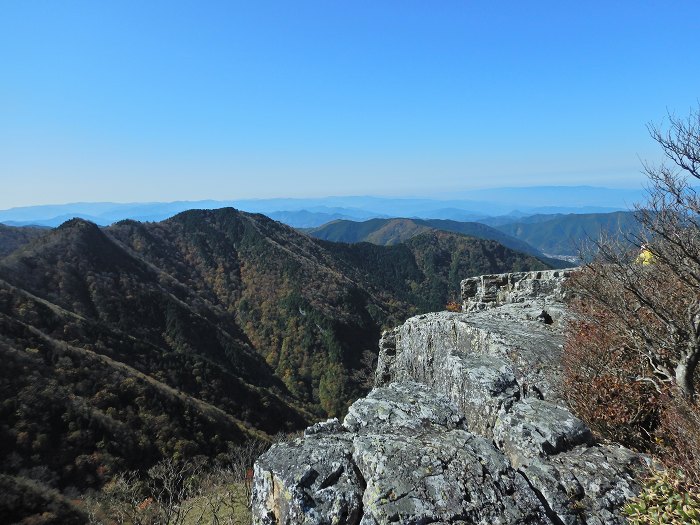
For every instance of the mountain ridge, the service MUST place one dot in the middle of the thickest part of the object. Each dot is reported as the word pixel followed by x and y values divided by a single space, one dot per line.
pixel 299 212
pixel 397 230
pixel 139 341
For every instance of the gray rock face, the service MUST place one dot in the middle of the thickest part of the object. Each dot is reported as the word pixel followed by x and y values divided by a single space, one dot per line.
pixel 403 407
pixel 486 291
pixel 536 429
pixel 402 455
pixel 586 485
pixel 445 476
pixel 311 480
pixel 465 425
pixel 435 348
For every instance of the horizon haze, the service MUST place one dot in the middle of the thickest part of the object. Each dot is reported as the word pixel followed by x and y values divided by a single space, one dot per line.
pixel 297 212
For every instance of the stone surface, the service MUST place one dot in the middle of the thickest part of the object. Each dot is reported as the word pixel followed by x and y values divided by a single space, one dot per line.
pixel 586 485
pixel 311 480
pixel 446 476
pixel 402 455
pixel 486 291
pixel 403 407
pixel 465 425
pixel 427 348
pixel 535 429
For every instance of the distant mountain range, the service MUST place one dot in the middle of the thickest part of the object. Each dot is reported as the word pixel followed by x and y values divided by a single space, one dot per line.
pixel 542 236
pixel 566 234
pixel 461 206
pixel 386 232
pixel 126 344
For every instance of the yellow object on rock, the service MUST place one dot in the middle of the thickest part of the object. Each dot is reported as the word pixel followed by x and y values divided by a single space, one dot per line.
pixel 645 256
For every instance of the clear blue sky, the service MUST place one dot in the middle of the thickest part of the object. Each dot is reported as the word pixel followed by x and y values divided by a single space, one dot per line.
pixel 149 100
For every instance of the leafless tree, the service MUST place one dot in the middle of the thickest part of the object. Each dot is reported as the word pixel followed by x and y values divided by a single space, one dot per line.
pixel 124 500
pixel 241 461
pixel 177 492
pixel 173 485
pixel 656 302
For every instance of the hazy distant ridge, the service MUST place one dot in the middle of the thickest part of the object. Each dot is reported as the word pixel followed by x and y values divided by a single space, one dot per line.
pixel 461 206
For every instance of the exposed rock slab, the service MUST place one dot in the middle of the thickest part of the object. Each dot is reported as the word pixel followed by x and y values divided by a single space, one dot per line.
pixel 403 407
pixel 401 456
pixel 586 485
pixel 536 429
pixel 486 291
pixel 447 476
pixel 404 455
pixel 435 349
pixel 311 480
pixel 465 425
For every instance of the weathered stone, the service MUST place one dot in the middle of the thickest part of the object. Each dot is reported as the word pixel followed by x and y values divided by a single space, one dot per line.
pixel 408 460
pixel 328 427
pixel 465 426
pixel 535 429
pixel 587 485
pixel 447 476
pixel 427 348
pixel 402 406
pixel 486 291
pixel 311 481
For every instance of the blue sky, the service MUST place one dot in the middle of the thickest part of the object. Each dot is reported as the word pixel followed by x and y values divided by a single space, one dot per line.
pixel 159 101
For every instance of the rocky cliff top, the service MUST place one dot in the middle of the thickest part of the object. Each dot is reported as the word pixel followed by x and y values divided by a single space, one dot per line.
pixel 486 291
pixel 465 425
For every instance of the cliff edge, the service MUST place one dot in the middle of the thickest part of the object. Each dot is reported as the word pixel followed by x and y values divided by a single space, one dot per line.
pixel 465 425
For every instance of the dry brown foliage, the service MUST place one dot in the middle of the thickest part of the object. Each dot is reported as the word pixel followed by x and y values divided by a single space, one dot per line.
pixel 602 379
pixel 453 306
pixel 678 438
pixel 632 354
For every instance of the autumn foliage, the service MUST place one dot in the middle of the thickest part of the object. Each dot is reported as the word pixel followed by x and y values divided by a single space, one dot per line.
pixel 601 374
pixel 633 348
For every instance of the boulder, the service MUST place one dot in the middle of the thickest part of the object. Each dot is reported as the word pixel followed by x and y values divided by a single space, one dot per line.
pixel 486 291
pixel 402 455
pixel 535 429
pixel 312 480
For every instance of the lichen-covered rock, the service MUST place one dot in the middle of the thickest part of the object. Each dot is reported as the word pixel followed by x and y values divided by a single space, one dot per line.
pixel 535 429
pixel 311 481
pixel 445 476
pixel 587 485
pixel 402 456
pixel 436 348
pixel 480 385
pixel 404 406
pixel 465 425
pixel 486 291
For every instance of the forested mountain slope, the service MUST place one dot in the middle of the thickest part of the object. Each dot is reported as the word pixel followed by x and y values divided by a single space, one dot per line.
pixel 12 237
pixel 130 343
pixel 393 231
pixel 564 234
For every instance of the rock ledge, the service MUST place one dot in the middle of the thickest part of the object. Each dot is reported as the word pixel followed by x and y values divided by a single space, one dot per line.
pixel 464 426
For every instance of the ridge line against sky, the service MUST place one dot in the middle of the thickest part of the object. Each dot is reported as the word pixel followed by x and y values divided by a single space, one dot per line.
pixel 166 101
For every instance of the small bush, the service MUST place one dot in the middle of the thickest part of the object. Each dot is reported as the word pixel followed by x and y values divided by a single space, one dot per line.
pixel 600 379
pixel 453 306
pixel 678 439
pixel 665 499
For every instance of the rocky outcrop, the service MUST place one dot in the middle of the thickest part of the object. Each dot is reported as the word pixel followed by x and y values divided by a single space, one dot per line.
pixel 402 455
pixel 486 291
pixel 464 425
